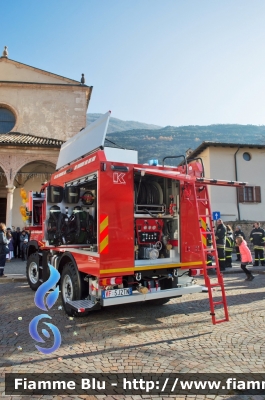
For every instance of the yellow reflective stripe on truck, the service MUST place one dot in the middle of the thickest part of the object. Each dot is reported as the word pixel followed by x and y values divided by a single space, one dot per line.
pixel 144 267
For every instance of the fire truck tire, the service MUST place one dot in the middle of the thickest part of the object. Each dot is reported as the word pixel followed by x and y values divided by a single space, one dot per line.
pixel 32 271
pixel 71 286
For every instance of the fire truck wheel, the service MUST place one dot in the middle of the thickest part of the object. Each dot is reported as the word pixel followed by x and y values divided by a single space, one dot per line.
pixel 71 287
pixel 32 271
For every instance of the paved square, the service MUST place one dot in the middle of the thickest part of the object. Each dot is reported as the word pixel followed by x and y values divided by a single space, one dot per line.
pixel 177 337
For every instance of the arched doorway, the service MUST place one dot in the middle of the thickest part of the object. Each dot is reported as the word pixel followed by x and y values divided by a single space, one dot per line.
pixel 30 177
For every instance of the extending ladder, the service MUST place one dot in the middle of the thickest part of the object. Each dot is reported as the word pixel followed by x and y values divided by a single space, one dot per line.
pixel 207 229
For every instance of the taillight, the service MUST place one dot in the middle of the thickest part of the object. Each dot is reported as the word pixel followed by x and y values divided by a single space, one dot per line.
pixel 195 272
pixel 110 281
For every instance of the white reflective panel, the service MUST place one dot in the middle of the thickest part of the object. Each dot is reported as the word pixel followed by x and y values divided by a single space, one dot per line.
pixel 121 155
pixel 90 138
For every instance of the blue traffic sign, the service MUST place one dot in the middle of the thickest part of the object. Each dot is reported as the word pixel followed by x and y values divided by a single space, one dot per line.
pixel 216 215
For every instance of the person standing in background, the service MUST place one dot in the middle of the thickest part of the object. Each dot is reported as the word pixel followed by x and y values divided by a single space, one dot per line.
pixel 10 245
pixel 257 238
pixel 3 242
pixel 14 235
pixel 246 257
pixel 17 243
pixel 24 238
pixel 229 245
pixel 238 232
pixel 220 237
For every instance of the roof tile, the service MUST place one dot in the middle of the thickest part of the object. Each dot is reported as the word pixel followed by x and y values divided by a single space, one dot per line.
pixel 17 138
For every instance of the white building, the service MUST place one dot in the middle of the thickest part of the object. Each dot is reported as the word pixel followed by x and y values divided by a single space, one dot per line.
pixel 235 162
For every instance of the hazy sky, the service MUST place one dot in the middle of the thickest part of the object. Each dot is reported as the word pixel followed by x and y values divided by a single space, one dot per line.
pixel 165 62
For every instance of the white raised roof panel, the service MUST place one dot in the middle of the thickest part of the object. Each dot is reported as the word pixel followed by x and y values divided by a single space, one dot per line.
pixel 90 138
pixel 120 155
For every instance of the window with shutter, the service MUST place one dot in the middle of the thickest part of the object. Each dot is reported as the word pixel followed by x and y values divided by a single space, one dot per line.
pixel 249 194
pixel 240 194
pixel 257 194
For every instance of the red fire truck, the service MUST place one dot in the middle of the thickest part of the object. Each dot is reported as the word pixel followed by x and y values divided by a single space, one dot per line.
pixel 121 232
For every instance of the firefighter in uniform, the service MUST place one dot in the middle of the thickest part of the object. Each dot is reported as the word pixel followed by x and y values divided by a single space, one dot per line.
pixel 238 232
pixel 220 236
pixel 229 244
pixel 257 238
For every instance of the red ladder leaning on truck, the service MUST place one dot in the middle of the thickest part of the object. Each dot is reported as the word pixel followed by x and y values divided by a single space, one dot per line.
pixel 121 232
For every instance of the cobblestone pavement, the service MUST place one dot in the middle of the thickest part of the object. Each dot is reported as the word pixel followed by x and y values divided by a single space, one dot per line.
pixel 174 338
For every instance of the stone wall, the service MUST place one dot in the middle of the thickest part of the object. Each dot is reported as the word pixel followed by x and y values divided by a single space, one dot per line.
pixel 246 226
pixel 44 104
pixel 46 111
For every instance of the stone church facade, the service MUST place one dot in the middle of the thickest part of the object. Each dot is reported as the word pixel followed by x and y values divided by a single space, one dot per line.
pixel 39 110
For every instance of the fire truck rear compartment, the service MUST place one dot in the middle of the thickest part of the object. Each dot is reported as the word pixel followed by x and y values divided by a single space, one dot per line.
pixel 156 219
pixel 72 217
pixel 72 213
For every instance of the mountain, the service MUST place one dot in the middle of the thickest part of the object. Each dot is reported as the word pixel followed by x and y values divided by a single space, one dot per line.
pixel 173 141
pixel 117 125
pixel 157 143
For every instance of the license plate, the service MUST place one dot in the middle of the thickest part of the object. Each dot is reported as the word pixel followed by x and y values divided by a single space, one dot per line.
pixel 116 293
